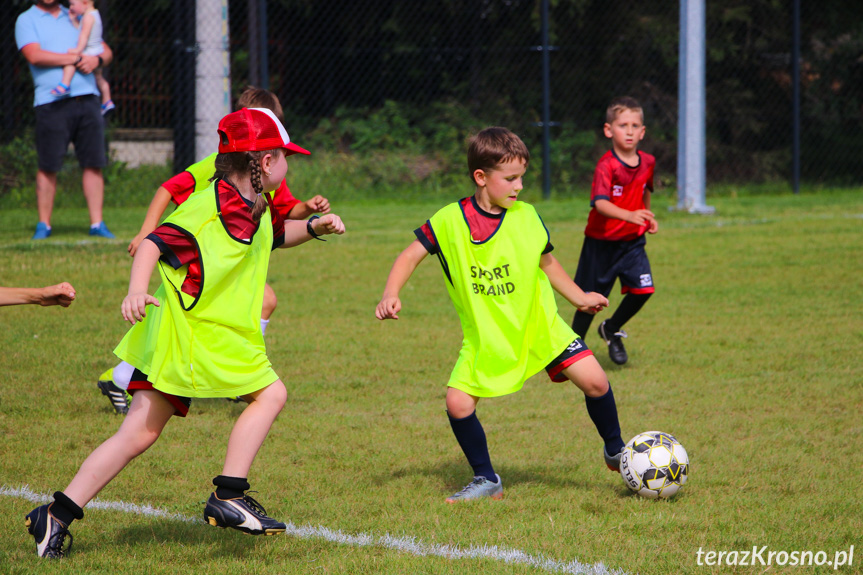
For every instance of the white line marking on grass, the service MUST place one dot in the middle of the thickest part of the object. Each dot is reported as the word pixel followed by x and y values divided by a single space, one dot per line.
pixel 404 544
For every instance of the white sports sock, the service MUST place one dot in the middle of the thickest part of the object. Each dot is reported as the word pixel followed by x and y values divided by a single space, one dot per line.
pixel 122 374
pixel 264 323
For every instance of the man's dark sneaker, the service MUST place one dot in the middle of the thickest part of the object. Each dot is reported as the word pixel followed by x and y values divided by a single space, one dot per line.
pixel 616 351
pixel 117 397
pixel 612 461
pixel 50 534
pixel 242 513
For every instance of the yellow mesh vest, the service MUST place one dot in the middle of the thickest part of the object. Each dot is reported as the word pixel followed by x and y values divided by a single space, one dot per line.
pixel 209 346
pixel 505 302
pixel 202 171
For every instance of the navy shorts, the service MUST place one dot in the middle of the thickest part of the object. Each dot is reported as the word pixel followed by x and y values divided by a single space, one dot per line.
pixel 575 351
pixel 602 262
pixel 139 381
pixel 77 120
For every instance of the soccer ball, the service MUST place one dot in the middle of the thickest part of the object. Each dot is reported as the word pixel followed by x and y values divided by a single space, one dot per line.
pixel 654 465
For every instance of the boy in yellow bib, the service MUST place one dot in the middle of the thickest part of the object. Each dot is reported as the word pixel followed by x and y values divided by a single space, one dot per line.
pixel 495 253
pixel 200 335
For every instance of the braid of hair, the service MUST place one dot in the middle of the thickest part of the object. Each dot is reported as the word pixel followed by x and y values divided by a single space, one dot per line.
pixel 258 185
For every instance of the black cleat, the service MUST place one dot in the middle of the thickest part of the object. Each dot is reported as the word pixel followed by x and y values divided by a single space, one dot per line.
pixel 616 351
pixel 117 397
pixel 50 534
pixel 242 513
pixel 612 461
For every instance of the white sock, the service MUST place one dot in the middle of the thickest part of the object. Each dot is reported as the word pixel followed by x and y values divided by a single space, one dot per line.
pixel 264 323
pixel 122 374
pixel 94 226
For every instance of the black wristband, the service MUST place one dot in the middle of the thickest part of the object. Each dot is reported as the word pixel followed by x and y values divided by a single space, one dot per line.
pixel 101 61
pixel 311 230
pixel 78 61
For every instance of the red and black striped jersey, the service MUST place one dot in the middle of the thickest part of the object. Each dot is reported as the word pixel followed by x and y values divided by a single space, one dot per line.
pixel 624 186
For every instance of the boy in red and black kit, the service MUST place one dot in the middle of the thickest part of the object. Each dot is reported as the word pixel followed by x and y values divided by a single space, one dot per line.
pixel 614 243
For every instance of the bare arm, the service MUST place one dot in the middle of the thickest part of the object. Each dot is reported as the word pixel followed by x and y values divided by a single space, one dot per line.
pixel 296 232
pixel 561 282
pixel 35 55
pixel 62 294
pixel 135 303
pixel 637 217
pixel 90 63
pixel 404 266
pixel 315 205
pixel 654 225
pixel 158 205
pixel 84 32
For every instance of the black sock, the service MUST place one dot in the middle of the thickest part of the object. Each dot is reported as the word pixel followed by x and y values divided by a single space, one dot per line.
pixel 64 509
pixel 629 306
pixel 471 437
pixel 603 413
pixel 581 323
pixel 230 487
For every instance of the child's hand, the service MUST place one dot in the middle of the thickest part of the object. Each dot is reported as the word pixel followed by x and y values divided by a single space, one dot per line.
pixel 328 224
pixel 388 308
pixel 593 302
pixel 653 228
pixel 318 205
pixel 134 306
pixel 62 294
pixel 136 241
pixel 641 217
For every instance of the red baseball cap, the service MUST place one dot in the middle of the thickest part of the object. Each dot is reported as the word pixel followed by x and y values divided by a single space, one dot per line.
pixel 254 129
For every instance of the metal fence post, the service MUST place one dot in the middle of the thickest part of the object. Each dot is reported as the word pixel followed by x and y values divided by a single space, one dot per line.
pixel 795 80
pixel 263 45
pixel 183 90
pixel 691 172
pixel 212 73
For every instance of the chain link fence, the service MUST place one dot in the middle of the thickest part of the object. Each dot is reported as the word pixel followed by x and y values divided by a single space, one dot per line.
pixel 375 76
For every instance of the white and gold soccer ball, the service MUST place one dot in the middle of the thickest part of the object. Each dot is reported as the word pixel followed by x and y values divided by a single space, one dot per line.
pixel 654 465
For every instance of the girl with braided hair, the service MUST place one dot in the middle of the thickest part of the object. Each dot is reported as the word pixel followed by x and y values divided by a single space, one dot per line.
pixel 199 334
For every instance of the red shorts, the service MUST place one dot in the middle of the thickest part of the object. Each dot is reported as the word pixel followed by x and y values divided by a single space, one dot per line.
pixel 139 382
pixel 575 351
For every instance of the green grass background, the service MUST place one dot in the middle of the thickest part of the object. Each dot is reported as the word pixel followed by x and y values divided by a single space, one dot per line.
pixel 749 352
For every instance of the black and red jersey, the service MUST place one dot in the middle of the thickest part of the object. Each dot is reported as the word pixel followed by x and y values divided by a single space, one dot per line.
pixel 624 186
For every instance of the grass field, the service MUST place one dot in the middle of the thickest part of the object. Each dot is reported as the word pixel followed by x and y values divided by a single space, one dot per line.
pixel 750 352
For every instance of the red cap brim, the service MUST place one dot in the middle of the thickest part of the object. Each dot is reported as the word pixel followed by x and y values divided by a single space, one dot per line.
pixel 292 149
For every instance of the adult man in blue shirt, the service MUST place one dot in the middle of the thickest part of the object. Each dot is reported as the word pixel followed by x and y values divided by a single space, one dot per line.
pixel 44 33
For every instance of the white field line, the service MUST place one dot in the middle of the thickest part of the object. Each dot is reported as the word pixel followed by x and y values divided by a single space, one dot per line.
pixel 403 544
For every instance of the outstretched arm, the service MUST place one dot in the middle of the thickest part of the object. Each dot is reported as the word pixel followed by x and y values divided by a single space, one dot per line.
pixel 587 302
pixel 154 213
pixel 62 294
pixel 135 303
pixel 296 232
pixel 405 264
pixel 315 205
